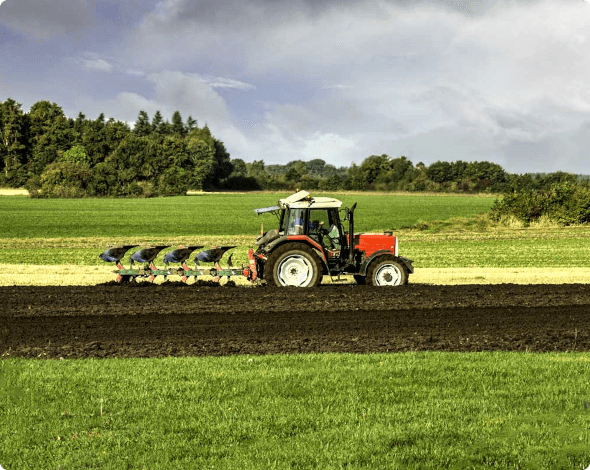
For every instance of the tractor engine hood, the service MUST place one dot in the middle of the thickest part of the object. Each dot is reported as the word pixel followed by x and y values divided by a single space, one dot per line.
pixel 369 243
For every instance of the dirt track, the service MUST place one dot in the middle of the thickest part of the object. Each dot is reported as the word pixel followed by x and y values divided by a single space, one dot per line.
pixel 145 320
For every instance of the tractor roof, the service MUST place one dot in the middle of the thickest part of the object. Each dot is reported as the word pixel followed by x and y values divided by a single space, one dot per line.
pixel 302 200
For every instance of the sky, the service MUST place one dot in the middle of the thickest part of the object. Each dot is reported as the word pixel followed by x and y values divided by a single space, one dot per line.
pixel 506 81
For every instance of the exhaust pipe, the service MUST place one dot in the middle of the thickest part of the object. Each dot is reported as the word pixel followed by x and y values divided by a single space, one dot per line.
pixel 351 234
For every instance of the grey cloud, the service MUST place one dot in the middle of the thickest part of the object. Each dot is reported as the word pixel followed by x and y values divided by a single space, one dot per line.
pixel 466 7
pixel 228 14
pixel 559 151
pixel 46 19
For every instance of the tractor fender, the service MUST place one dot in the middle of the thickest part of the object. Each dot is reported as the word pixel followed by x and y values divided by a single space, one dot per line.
pixel 407 262
pixel 316 247
pixel 272 245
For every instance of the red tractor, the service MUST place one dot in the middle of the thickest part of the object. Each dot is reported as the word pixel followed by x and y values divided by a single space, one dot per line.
pixel 311 242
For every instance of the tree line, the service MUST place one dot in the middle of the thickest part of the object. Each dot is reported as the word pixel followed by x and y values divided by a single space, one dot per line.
pixel 53 155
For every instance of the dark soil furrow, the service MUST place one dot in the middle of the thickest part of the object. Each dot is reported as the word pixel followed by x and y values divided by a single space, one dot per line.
pixel 179 320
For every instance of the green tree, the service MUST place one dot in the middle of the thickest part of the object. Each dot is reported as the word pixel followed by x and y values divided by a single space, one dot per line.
pixel 100 139
pixel 373 166
pixel 440 172
pixel 355 178
pixel 202 157
pixel 132 169
pixel 51 135
pixel 296 172
pixel 42 115
pixel 316 167
pixel 239 167
pixel 14 127
pixel 99 123
pixel 175 177
pixel 79 126
pixel 331 170
pixel 142 126
pixel 165 129
pixel 239 179
pixel 223 166
pixel 257 170
pixel 178 127
pixel 111 136
pixel 334 182
pixel 65 179
pixel 486 171
pixel 400 174
pixel 203 134
pixel 191 124
pixel 157 122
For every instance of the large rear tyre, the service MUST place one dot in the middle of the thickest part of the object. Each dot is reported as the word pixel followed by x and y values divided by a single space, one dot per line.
pixel 293 265
pixel 386 271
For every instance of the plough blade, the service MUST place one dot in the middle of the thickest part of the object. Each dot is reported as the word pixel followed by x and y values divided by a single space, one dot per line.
pixel 150 271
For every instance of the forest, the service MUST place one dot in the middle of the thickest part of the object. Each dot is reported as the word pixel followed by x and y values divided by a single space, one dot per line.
pixel 53 155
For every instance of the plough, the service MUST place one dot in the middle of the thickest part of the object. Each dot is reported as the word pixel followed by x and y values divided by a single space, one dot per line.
pixel 309 242
pixel 150 271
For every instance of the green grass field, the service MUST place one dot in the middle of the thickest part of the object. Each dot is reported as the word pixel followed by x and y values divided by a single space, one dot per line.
pixel 206 214
pixel 398 411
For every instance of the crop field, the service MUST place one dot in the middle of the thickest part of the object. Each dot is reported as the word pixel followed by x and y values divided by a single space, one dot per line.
pixel 206 214
pixel 176 376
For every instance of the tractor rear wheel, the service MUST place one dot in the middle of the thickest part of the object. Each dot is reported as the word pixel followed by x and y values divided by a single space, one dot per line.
pixel 293 265
pixel 386 271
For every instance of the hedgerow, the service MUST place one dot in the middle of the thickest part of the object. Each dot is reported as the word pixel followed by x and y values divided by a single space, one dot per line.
pixel 566 203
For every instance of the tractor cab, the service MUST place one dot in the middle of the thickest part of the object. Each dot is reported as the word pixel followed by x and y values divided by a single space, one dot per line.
pixel 318 219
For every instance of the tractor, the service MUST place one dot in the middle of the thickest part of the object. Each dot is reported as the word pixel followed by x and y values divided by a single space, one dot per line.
pixel 311 241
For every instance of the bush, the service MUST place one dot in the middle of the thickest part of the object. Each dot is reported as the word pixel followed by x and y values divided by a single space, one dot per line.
pixel 565 203
pixel 33 185
pixel 65 179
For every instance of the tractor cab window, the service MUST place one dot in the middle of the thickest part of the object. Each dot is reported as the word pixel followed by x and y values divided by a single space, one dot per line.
pixel 296 222
pixel 282 222
pixel 324 227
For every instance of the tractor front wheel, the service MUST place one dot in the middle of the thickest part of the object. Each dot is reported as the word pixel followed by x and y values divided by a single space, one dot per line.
pixel 293 265
pixel 386 271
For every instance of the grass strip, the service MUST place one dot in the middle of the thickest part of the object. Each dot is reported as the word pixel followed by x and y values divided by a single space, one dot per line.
pixel 506 248
pixel 412 411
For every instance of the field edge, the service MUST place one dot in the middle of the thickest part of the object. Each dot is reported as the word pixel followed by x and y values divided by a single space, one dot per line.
pixel 76 275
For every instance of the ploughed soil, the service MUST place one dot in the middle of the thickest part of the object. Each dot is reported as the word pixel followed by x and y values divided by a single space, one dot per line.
pixel 174 319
